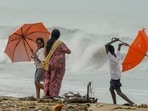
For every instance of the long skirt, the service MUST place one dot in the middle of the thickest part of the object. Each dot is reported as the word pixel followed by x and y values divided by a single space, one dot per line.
pixel 53 81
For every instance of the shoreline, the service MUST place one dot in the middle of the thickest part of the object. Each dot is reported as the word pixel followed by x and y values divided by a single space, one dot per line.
pixel 9 103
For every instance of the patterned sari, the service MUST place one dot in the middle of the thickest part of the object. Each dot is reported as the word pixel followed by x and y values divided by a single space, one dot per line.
pixel 54 75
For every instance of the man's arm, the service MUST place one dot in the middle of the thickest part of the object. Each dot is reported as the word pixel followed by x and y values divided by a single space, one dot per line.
pixel 121 44
pixel 112 41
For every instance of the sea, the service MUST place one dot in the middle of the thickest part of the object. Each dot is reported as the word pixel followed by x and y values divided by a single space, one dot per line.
pixel 85 33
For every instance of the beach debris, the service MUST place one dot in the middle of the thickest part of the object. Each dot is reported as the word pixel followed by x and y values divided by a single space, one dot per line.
pixel 126 108
pixel 142 106
pixel 42 100
pixel 71 97
pixel 2 98
pixel 29 98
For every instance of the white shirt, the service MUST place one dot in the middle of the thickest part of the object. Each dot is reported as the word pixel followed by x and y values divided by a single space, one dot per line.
pixel 40 54
pixel 115 71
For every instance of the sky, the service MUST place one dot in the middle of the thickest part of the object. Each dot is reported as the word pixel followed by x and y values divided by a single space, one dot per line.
pixel 94 5
pixel 12 9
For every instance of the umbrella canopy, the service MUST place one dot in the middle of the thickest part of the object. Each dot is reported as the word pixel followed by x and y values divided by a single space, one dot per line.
pixel 23 40
pixel 136 52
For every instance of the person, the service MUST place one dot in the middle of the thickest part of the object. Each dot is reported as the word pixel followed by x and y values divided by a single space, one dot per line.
pixel 115 71
pixel 38 56
pixel 54 64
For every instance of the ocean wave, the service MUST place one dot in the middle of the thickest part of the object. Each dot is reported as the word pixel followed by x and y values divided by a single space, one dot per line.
pixel 88 52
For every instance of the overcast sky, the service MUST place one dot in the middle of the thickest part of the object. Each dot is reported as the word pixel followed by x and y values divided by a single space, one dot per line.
pixel 134 9
pixel 116 5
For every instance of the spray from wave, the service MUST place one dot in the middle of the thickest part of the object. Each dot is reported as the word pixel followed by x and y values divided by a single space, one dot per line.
pixel 87 48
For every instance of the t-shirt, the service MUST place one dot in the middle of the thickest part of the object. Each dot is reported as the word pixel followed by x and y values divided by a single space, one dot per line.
pixel 115 71
pixel 40 54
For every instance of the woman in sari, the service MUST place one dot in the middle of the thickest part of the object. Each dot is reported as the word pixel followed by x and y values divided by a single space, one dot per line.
pixel 54 64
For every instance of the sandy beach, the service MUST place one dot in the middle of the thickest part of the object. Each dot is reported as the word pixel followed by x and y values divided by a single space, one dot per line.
pixel 85 26
pixel 31 104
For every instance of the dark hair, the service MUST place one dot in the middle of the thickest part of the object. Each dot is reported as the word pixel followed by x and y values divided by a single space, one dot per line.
pixel 111 49
pixel 54 36
pixel 40 39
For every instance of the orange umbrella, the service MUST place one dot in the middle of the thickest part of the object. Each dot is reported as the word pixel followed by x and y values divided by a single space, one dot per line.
pixel 137 51
pixel 23 39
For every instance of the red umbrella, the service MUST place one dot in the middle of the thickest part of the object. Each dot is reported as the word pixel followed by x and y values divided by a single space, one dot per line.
pixel 137 51
pixel 23 39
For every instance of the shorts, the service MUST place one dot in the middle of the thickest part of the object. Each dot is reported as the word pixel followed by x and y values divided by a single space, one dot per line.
pixel 38 75
pixel 115 84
